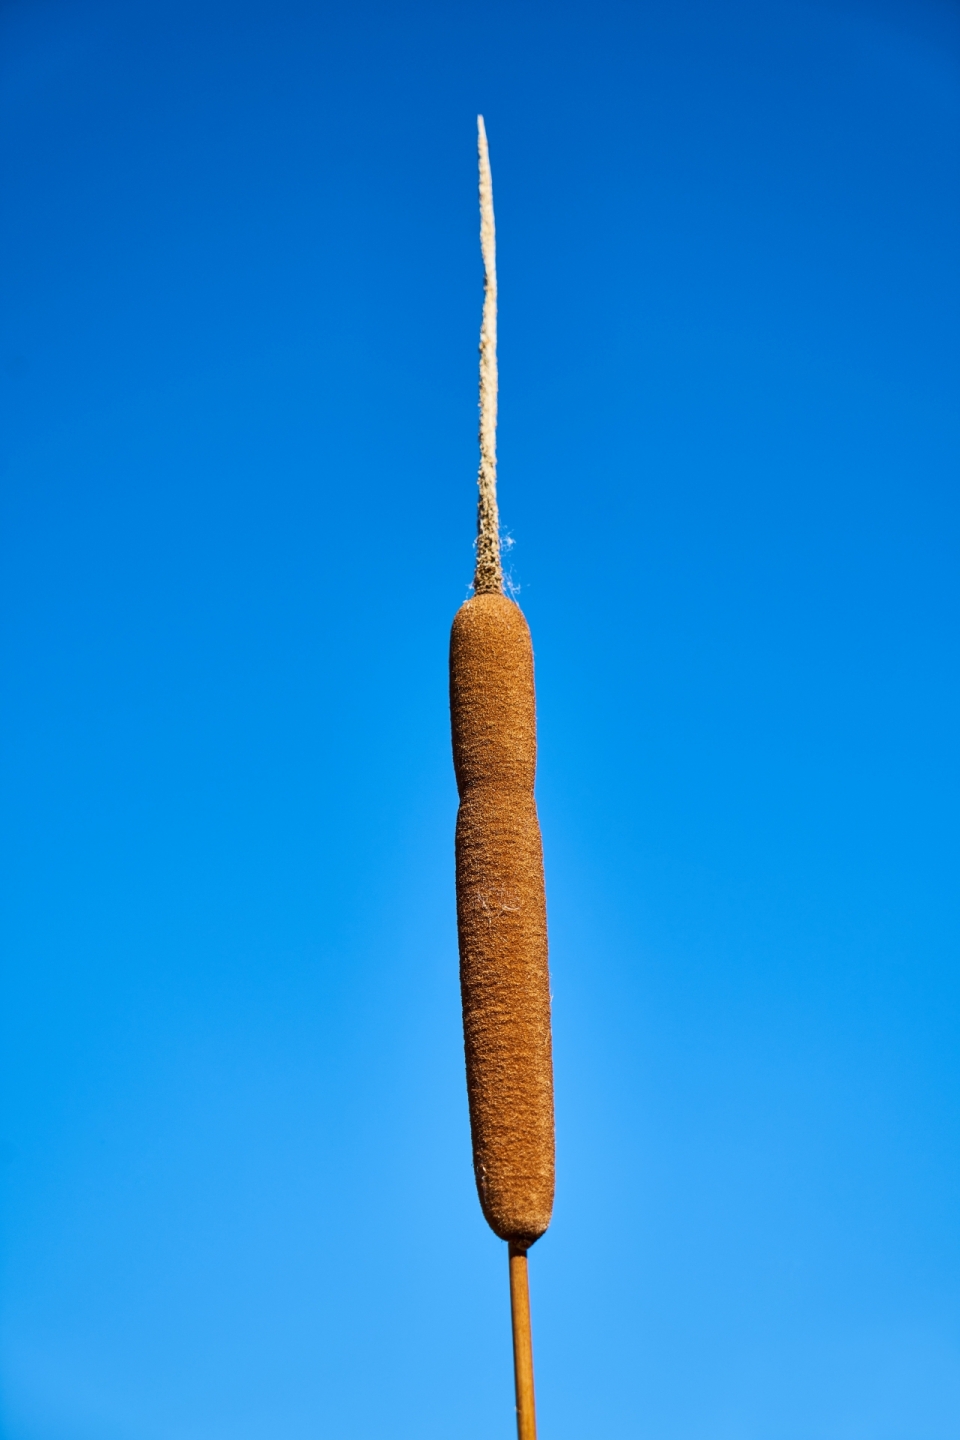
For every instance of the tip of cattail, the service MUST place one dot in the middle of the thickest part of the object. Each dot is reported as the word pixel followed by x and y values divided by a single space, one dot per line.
pixel 488 574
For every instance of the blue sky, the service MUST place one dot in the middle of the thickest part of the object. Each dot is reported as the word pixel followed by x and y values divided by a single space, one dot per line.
pixel 241 297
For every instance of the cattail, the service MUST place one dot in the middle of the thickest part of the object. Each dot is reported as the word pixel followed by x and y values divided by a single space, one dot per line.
pixel 501 907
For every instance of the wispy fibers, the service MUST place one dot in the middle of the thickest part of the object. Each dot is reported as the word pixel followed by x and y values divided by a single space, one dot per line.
pixel 488 576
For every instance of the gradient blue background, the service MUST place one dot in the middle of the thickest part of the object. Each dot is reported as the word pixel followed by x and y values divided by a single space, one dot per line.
pixel 241 293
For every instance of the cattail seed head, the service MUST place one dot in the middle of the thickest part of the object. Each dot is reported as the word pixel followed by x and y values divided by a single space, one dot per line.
pixel 501 917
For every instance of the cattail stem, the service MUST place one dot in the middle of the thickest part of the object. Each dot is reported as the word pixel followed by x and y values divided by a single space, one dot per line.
pixel 522 1345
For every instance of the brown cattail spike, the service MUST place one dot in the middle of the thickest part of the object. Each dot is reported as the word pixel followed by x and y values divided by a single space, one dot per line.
pixel 501 917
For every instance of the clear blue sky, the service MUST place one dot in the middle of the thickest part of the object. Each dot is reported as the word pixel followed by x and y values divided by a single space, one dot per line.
pixel 241 292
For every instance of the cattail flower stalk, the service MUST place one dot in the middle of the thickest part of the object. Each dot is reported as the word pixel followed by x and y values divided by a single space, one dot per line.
pixel 501 904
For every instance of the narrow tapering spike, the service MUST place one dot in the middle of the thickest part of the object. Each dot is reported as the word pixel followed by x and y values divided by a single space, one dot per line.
pixel 488 576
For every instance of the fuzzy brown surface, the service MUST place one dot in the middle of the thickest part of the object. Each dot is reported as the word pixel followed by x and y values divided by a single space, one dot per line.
pixel 501 917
